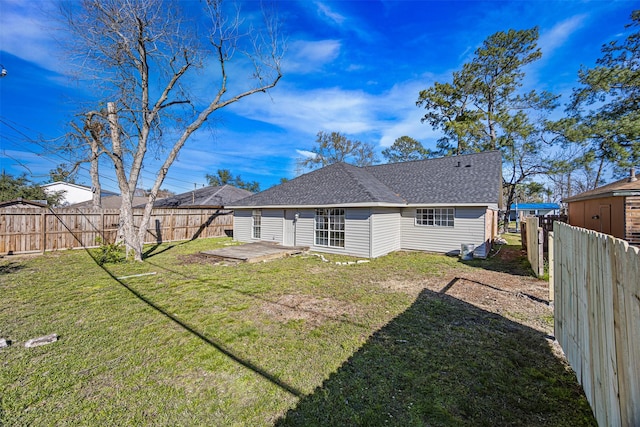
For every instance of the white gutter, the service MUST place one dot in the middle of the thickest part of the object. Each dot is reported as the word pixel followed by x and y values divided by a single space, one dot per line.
pixel 362 205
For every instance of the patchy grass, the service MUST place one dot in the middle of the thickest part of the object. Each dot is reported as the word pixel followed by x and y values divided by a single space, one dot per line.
pixel 406 339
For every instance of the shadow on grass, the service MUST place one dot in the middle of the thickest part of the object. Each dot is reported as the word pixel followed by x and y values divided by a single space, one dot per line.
pixel 509 259
pixel 151 252
pixel 208 340
pixel 444 362
pixel 11 267
pixel 257 297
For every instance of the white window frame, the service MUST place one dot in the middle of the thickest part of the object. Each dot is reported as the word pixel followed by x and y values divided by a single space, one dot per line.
pixel 329 228
pixel 435 217
pixel 256 224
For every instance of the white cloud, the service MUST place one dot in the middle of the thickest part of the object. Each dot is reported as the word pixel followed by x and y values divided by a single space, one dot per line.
pixel 308 56
pixel 26 32
pixel 326 12
pixel 305 153
pixel 376 118
pixel 405 119
pixel 550 40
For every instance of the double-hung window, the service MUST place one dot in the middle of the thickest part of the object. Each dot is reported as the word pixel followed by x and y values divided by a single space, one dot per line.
pixel 435 217
pixel 329 228
pixel 256 227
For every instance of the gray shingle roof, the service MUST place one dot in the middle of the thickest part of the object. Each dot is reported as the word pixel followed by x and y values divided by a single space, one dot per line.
pixel 109 202
pixel 472 178
pixel 204 197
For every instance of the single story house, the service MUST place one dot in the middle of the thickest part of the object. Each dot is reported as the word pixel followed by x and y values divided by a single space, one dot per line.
pixel 73 193
pixel 611 209
pixel 518 210
pixel 206 197
pixel 430 205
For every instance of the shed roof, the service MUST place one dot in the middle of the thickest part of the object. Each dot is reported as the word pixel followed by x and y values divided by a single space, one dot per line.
pixel 20 202
pixel 620 188
pixel 472 179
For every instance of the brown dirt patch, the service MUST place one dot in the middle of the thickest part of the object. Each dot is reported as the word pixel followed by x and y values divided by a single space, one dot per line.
pixel 313 311
pixel 519 298
pixel 523 299
pixel 498 288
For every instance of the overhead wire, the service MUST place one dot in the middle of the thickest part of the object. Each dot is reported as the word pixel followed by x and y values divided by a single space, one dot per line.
pixel 178 181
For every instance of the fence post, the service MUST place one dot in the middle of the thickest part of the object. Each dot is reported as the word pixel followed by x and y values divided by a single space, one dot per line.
pixel 43 232
pixel 551 268
pixel 540 249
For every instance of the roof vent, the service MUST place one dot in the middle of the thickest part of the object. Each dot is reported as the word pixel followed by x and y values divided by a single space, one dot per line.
pixel 632 177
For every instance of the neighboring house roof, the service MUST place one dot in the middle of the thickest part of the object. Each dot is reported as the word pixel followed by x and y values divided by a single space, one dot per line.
pixel 534 206
pixel 20 202
pixel 204 197
pixel 467 179
pixel 109 202
pixel 621 188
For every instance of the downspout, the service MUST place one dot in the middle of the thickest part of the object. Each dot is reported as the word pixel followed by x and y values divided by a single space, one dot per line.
pixel 370 234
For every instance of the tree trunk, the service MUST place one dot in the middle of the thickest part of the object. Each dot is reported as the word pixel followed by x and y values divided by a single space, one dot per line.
pixel 95 177
pixel 507 212
pixel 126 229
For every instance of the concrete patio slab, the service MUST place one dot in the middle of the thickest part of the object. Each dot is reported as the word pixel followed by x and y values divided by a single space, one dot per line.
pixel 255 252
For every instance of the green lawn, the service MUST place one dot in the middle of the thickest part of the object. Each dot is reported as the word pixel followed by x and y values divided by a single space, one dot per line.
pixel 289 342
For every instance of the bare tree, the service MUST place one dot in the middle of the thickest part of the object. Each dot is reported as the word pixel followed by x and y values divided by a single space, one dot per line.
pixel 334 147
pixel 87 144
pixel 143 55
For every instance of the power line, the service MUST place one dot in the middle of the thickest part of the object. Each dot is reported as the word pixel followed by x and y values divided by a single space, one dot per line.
pixel 182 181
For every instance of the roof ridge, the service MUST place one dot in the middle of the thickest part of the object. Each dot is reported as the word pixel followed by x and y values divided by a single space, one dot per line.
pixel 434 159
pixel 213 196
pixel 370 175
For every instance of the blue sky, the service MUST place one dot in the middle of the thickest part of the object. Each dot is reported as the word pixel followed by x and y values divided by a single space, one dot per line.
pixel 355 67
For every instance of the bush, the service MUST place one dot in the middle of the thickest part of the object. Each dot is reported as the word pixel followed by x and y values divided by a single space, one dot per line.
pixel 109 253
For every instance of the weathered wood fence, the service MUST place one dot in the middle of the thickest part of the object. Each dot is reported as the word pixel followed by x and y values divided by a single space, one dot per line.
pixel 533 238
pixel 38 230
pixel 596 279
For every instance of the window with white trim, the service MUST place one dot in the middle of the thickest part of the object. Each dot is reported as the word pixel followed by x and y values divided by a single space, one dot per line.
pixel 256 226
pixel 329 228
pixel 435 217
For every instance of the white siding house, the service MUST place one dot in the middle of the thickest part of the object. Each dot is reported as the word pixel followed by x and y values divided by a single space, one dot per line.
pixel 431 205
pixel 72 193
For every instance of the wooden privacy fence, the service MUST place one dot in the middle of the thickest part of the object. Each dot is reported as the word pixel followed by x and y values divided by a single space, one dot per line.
pixel 596 278
pixel 533 238
pixel 38 230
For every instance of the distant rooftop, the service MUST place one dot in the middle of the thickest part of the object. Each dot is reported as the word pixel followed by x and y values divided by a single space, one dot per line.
pixel 534 206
